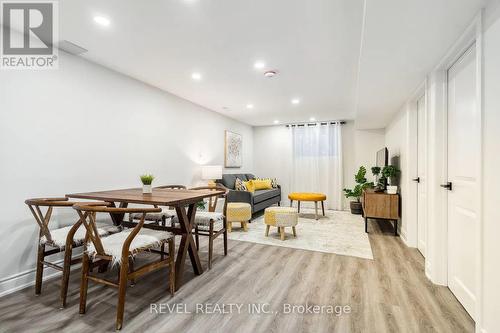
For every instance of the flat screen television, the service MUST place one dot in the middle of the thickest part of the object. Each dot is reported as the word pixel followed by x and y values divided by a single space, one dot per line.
pixel 383 157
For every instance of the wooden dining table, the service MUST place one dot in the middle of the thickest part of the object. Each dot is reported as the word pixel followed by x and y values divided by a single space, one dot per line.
pixel 180 199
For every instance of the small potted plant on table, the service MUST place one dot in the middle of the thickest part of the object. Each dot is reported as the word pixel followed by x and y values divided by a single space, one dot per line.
pixel 379 179
pixel 376 172
pixel 390 172
pixel 357 191
pixel 146 183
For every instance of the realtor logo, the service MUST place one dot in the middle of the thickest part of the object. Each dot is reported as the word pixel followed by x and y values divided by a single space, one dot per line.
pixel 29 30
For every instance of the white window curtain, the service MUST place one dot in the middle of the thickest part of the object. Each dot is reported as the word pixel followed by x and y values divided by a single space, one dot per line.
pixel 317 161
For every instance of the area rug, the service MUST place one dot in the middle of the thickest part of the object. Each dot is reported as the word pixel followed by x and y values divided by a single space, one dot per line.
pixel 338 232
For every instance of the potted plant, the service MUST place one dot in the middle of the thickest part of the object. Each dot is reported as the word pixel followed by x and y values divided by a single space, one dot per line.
pixel 357 191
pixel 201 205
pixel 376 172
pixel 379 179
pixel 146 183
pixel 389 172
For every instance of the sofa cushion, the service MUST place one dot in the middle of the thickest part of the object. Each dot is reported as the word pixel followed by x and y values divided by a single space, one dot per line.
pixel 274 181
pixel 240 185
pixel 262 184
pixel 249 176
pixel 249 185
pixel 263 195
pixel 229 179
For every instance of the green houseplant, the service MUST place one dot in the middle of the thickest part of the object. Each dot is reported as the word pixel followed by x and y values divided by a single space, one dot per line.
pixel 357 191
pixel 376 172
pixel 147 180
pixel 379 179
pixel 390 172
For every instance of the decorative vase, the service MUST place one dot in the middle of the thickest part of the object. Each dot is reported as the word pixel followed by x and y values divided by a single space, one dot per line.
pixel 392 189
pixel 147 189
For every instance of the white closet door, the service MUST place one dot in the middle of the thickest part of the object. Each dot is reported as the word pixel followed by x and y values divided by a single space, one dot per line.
pixel 463 198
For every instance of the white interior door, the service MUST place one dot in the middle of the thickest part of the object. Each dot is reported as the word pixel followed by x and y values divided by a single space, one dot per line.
pixel 422 176
pixel 463 198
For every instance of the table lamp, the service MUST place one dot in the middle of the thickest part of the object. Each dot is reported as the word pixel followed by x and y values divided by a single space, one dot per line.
pixel 211 173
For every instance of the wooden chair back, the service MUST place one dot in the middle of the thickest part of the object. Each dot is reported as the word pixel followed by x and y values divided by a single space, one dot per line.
pixel 212 201
pixel 43 219
pixel 88 212
pixel 172 187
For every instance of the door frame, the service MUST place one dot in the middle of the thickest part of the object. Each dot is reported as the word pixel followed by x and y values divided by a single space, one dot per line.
pixel 412 208
pixel 415 171
pixel 437 243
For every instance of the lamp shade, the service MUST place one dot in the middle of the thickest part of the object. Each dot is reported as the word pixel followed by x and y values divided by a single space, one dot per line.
pixel 210 172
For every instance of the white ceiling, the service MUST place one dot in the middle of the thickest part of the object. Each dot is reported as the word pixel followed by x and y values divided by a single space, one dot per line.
pixel 324 56
pixel 403 41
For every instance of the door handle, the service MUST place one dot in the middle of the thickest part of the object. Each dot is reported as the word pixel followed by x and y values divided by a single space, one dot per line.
pixel 416 179
pixel 448 186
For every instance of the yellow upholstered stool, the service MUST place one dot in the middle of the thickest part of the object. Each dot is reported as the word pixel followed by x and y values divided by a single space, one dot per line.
pixel 238 212
pixel 281 217
pixel 305 196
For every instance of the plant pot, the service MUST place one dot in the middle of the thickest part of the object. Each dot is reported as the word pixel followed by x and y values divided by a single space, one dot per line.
pixel 356 208
pixel 392 189
pixel 147 189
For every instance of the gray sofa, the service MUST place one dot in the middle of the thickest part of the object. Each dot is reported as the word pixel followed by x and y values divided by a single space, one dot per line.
pixel 259 200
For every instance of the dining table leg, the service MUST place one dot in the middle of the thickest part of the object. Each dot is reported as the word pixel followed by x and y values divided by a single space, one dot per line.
pixel 117 218
pixel 187 244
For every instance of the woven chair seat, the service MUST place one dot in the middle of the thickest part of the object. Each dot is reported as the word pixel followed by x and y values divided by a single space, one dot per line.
pixel 167 213
pixel 59 235
pixel 203 219
pixel 144 240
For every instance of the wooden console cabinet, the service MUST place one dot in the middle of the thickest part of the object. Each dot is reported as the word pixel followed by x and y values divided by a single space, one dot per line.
pixel 380 205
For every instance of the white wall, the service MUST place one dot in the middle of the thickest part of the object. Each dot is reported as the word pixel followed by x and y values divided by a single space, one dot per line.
pixel 272 150
pixel 396 139
pixel 84 128
pixel 491 179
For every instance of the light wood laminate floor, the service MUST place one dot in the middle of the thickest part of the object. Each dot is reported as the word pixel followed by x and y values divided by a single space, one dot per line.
pixel 387 294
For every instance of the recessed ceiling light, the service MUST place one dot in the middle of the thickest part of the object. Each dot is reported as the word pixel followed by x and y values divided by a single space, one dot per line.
pixel 249 106
pixel 295 101
pixel 276 121
pixel 259 65
pixel 196 76
pixel 101 20
pixel 270 73
pixel 312 119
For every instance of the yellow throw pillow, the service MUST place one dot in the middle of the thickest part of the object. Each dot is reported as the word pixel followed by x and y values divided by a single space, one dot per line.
pixel 250 185
pixel 262 184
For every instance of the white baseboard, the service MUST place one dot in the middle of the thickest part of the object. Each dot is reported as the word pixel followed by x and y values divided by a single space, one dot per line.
pixel 26 279
pixel 402 235
pixel 427 269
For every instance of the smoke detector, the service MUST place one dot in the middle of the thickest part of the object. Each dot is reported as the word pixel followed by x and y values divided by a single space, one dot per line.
pixel 270 73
